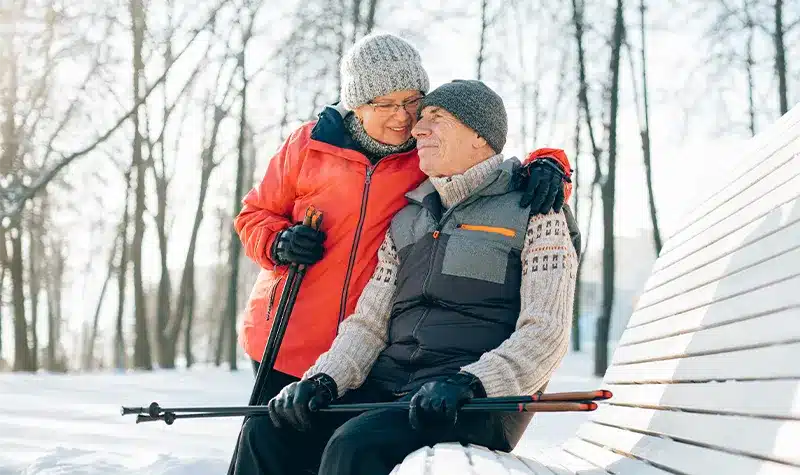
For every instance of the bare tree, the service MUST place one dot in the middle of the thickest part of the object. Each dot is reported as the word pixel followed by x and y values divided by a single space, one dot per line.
pixel 643 117
pixel 609 193
pixel 483 39
pixel 780 58
pixel 122 274
pixel 231 310
pixel 576 306
pixel 54 302
pixel 186 300
pixel 141 348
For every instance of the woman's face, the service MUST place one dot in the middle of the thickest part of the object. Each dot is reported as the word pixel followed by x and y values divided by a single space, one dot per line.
pixel 390 118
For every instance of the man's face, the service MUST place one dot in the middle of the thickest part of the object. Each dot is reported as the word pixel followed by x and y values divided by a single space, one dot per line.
pixel 446 146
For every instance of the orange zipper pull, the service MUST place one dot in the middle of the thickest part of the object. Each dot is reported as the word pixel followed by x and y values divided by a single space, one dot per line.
pixel 436 234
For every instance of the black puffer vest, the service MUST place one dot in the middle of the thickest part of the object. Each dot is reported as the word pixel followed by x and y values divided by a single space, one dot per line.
pixel 458 289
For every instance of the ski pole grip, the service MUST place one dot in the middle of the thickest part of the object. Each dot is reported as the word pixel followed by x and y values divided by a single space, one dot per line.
pixel 313 218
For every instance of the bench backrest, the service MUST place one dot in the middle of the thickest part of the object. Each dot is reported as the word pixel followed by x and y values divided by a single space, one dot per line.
pixel 706 377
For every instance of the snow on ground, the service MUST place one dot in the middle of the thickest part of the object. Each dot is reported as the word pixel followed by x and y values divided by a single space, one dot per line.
pixel 70 424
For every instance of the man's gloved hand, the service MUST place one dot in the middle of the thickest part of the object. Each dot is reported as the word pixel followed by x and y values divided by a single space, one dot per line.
pixel 543 182
pixel 438 402
pixel 299 244
pixel 295 403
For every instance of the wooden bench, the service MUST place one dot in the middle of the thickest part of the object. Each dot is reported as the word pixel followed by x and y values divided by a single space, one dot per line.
pixel 706 377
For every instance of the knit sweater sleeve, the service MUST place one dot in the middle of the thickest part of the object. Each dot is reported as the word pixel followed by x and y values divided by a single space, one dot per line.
pixel 364 334
pixel 526 360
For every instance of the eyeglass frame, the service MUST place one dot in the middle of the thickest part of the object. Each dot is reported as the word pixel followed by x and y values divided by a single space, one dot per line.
pixel 396 107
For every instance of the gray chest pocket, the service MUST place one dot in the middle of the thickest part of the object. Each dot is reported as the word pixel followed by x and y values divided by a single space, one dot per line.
pixel 478 254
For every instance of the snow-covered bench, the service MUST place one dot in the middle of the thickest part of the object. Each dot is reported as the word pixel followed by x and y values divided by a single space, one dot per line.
pixel 706 377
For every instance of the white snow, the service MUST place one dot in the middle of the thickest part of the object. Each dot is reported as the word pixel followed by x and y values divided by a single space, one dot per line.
pixel 70 424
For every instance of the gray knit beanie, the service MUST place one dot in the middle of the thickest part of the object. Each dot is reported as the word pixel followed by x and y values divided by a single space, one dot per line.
pixel 474 104
pixel 378 64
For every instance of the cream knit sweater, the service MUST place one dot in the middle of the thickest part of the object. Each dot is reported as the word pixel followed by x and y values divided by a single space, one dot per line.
pixel 524 362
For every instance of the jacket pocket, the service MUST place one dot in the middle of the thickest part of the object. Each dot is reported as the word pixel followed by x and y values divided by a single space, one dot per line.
pixel 477 255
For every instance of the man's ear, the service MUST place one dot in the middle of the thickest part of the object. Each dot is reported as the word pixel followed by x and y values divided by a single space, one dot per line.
pixel 479 142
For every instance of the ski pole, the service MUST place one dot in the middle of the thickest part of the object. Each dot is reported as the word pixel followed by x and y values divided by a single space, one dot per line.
pixel 249 411
pixel 313 219
pixel 154 410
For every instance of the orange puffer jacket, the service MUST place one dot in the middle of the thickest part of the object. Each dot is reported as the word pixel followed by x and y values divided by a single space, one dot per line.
pixel 321 165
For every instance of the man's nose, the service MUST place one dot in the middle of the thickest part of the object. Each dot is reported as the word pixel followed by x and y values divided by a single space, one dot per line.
pixel 420 129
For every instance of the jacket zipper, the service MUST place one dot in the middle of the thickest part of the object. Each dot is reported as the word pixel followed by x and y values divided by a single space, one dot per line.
pixel 436 232
pixel 272 294
pixel 354 249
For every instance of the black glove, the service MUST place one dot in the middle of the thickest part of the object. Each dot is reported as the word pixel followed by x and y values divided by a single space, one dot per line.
pixel 299 244
pixel 295 403
pixel 438 402
pixel 543 181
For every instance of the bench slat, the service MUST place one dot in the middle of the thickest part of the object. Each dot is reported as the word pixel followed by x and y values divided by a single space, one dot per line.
pixel 610 461
pixel 766 273
pixel 489 462
pixel 756 363
pixel 779 398
pixel 543 457
pixel 761 151
pixel 775 328
pixel 767 438
pixel 680 457
pixel 570 463
pixel 415 463
pixel 764 300
pixel 780 239
pixel 449 457
pixel 764 196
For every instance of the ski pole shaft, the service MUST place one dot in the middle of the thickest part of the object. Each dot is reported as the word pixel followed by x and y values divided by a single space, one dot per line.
pixel 154 409
pixel 249 411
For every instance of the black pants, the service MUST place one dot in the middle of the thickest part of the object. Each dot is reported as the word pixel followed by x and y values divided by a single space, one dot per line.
pixel 275 382
pixel 369 443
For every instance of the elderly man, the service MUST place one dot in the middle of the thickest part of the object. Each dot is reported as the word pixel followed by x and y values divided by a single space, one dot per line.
pixel 472 297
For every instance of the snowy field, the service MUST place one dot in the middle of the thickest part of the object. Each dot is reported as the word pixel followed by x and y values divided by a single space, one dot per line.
pixel 70 424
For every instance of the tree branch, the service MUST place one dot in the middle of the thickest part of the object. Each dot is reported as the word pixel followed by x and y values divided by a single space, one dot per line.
pixel 44 179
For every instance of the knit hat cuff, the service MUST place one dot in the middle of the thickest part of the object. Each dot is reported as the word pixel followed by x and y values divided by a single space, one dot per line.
pixel 384 78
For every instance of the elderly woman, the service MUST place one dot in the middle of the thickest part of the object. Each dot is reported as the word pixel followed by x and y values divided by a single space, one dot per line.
pixel 355 163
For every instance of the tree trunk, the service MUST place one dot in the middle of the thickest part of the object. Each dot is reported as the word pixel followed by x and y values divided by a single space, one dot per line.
pixel 88 360
pixel 185 301
pixel 608 192
pixel 166 345
pixel 576 306
pixel 34 235
pixel 356 10
pixel 54 307
pixel 21 352
pixel 120 359
pixel 142 358
pixel 369 22
pixel 780 58
pixel 645 133
pixel 3 268
pixel 236 248
pixel 189 310
pixel 483 39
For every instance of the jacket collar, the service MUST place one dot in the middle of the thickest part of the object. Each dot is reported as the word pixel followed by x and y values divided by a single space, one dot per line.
pixel 330 135
pixel 500 181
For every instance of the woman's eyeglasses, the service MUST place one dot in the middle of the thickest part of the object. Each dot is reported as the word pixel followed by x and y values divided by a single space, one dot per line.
pixel 389 108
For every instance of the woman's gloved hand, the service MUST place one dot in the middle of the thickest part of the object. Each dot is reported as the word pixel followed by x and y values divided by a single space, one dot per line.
pixel 298 244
